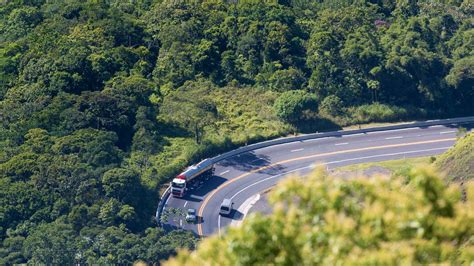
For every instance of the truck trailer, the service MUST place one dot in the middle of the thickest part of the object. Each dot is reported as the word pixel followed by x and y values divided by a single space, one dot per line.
pixel 182 182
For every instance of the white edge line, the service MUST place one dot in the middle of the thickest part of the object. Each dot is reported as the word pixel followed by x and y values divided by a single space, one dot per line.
pixel 245 208
pixel 393 130
pixel 333 162
pixel 310 140
pixel 352 135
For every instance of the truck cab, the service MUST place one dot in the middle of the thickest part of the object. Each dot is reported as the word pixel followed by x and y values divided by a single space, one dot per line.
pixel 178 187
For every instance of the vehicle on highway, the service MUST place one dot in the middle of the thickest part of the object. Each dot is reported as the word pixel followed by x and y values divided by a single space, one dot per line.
pixel 191 216
pixel 182 182
pixel 226 207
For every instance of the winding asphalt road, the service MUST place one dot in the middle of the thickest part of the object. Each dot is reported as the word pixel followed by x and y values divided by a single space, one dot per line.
pixel 245 176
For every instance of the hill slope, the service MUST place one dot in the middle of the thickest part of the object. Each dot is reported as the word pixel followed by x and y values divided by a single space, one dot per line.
pixel 458 162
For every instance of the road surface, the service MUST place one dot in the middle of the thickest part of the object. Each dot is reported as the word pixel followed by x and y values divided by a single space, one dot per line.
pixel 243 177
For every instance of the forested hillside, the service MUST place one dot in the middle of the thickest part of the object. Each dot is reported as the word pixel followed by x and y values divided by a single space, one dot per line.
pixel 101 102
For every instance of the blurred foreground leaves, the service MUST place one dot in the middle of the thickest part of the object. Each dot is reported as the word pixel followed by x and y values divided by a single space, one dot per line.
pixel 415 219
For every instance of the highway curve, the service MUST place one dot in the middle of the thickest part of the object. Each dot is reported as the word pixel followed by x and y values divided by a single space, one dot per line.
pixel 243 176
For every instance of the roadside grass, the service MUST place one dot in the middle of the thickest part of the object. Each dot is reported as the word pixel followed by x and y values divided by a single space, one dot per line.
pixel 375 124
pixel 458 162
pixel 396 167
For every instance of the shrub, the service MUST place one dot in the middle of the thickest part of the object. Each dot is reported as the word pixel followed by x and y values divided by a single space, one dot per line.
pixel 291 105
pixel 378 112
pixel 287 79
pixel 331 106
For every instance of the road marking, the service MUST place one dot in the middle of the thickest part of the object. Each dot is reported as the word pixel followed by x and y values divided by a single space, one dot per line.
pixel 225 172
pixel 339 144
pixel 281 144
pixel 206 200
pixel 352 135
pixel 447 132
pixel 244 209
pixel 186 203
pixel 397 137
pixel 218 224
pixel 310 140
pixel 196 197
pixel 393 130
pixel 313 166
pixel 271 177
pixel 180 223
pixel 297 150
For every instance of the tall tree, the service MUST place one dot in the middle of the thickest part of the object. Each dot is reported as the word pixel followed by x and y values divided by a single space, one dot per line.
pixel 191 107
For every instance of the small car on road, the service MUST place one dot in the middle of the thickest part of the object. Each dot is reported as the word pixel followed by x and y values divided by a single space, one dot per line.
pixel 191 216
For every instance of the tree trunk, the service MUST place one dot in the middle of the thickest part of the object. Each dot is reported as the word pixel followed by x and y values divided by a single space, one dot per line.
pixel 196 133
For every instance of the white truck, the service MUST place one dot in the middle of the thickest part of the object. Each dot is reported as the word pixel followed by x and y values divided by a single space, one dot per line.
pixel 182 182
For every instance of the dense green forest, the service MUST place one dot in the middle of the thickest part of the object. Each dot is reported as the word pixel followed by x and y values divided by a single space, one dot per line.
pixel 102 101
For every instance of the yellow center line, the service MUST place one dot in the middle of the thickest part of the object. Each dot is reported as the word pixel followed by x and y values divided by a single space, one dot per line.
pixel 206 200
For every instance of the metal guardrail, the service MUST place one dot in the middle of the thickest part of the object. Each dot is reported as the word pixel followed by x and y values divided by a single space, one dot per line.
pixel 161 206
pixel 279 141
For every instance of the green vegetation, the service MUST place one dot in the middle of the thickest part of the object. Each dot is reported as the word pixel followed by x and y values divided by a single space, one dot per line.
pixel 320 220
pixel 291 105
pixel 396 167
pixel 101 102
pixel 458 162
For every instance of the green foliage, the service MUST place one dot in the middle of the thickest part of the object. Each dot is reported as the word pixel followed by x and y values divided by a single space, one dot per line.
pixel 382 113
pixel 122 184
pixel 51 244
pixel 331 106
pixel 458 162
pixel 191 107
pixel 324 220
pixel 291 105
pixel 247 115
